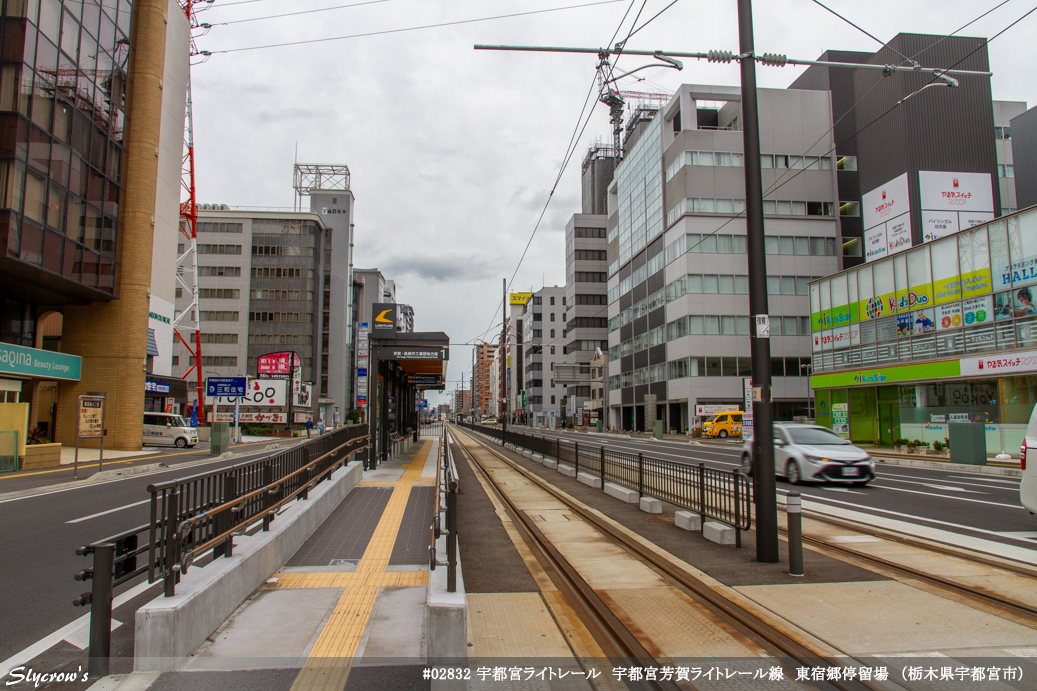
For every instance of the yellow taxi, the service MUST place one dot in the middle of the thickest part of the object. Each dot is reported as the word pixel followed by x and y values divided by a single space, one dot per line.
pixel 723 425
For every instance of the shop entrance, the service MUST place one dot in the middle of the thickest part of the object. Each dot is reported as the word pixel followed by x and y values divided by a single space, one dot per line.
pixel 889 422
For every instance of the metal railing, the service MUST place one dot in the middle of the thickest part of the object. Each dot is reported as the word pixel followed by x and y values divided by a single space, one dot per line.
pixel 432 429
pixel 445 512
pixel 190 515
pixel 8 451
pixel 722 495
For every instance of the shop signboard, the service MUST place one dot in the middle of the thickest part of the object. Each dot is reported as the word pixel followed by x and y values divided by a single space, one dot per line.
pixel 887 221
pixel 384 322
pixel 977 310
pixel 44 364
pixel 260 392
pixel 267 418
pixel 1021 272
pixel 953 201
pixel 948 316
pixel 224 386
pixel 887 375
pixel 89 425
pixel 996 364
pixel 841 419
pixel 277 364
pixel 713 408
pixel 519 298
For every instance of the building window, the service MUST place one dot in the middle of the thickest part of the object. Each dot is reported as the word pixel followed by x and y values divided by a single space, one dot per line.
pixel 217 316
pixel 552 300
pixel 219 249
pixel 850 209
pixel 552 348
pixel 218 293
pixel 1002 133
pixel 846 163
pixel 552 397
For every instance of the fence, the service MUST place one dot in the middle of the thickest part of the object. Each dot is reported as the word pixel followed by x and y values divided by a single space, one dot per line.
pixel 8 451
pixel 445 511
pixel 723 495
pixel 190 515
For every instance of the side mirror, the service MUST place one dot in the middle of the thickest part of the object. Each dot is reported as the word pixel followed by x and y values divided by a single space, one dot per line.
pixel 779 442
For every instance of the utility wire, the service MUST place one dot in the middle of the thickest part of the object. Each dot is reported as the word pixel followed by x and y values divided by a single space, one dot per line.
pixel 776 186
pixel 416 28
pixel 866 33
pixel 293 14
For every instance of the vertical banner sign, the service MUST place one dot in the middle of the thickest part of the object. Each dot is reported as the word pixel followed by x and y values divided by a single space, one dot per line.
pixel 361 360
pixel 747 405
pixel 89 425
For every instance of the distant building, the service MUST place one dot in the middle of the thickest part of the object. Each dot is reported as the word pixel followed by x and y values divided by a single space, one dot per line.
pixel 544 320
pixel 481 385
pixel 1024 152
pixel 405 319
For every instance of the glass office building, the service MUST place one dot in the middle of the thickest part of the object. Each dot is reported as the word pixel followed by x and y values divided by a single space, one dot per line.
pixel 63 84
pixel 936 334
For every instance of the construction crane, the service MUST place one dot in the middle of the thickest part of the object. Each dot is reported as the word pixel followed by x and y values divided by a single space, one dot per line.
pixel 616 99
pixel 189 321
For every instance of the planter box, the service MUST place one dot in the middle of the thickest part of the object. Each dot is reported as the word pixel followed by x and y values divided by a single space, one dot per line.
pixel 41 456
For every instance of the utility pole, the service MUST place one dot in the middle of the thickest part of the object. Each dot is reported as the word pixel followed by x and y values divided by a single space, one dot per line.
pixel 503 361
pixel 759 335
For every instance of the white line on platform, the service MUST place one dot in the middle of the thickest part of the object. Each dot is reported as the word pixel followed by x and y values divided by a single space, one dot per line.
pixel 105 513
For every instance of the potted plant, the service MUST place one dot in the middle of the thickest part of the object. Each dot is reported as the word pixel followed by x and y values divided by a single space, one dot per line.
pixel 946 446
pixel 899 444
pixel 938 446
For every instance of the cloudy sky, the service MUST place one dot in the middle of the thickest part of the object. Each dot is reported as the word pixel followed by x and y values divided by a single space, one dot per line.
pixel 453 152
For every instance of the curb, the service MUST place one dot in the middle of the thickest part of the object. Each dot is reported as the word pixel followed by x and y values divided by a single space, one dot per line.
pixel 945 465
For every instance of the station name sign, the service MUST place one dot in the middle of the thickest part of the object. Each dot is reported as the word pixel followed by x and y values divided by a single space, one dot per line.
pixel 401 353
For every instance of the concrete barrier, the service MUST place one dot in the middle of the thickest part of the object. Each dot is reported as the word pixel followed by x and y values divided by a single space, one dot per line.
pixel 169 629
pixel 624 494
pixel 720 533
pixel 446 618
pixel 588 479
pixel 539 458
pixel 567 470
pixel 548 463
pixel 651 505
pixel 688 520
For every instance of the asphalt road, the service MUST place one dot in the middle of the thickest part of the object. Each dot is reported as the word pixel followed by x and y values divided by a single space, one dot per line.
pixel 42 531
pixel 985 506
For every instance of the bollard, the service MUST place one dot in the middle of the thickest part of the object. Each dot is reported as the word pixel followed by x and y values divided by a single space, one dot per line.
pixel 101 610
pixel 795 526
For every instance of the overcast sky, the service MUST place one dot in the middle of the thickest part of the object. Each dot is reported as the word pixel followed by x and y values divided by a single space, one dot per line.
pixel 453 151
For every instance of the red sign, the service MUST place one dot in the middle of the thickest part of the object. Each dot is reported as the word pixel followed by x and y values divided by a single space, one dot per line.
pixel 277 363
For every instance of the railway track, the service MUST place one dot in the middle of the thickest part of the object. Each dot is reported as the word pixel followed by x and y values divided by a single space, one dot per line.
pixel 608 627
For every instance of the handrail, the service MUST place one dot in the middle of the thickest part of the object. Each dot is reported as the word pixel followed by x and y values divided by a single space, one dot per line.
pixel 445 509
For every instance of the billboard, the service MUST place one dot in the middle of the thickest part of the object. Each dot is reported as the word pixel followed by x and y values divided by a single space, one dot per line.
pixel 953 201
pixel 519 298
pixel 887 219
pixel 261 392
pixel 277 363
pixel 383 324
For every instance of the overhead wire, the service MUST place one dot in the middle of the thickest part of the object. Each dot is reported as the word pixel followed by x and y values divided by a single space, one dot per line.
pixel 415 28
pixel 294 14
pixel 778 184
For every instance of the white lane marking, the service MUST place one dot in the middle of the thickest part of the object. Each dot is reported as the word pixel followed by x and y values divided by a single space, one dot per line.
pixel 921 518
pixel 947 488
pixel 81 637
pixel 842 489
pixel 47 642
pixel 1014 482
pixel 105 513
pixel 944 496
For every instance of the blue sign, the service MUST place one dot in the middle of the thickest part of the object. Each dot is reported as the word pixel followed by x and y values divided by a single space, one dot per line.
pixel 225 386
pixel 156 387
pixel 361 371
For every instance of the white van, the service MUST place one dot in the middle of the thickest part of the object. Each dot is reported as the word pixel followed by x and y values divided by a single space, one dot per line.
pixel 166 429
pixel 1028 487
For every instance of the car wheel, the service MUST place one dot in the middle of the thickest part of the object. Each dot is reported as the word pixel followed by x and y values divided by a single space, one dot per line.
pixel 181 443
pixel 792 473
pixel 747 464
pixel 723 434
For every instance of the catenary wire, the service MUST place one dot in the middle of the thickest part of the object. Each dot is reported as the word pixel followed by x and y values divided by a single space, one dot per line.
pixel 855 26
pixel 886 112
pixel 416 28
pixel 294 14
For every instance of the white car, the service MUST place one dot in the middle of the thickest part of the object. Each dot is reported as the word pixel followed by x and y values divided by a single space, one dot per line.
pixel 166 429
pixel 810 453
pixel 1028 487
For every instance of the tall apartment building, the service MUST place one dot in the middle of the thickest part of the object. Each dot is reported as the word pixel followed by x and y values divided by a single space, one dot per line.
pixel 515 365
pixel 260 278
pixel 92 98
pixel 543 351
pixel 586 314
pixel 678 280
pixel 482 373
pixel 405 319
pixel 462 401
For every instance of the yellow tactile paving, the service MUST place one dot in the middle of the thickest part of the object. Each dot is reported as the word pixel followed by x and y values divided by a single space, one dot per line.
pixel 330 659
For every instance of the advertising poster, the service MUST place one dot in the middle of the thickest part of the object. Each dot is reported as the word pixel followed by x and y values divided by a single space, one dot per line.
pixel 957 200
pixel 1021 272
pixel 1014 303
pixel 875 245
pixel 879 207
pixel 949 317
pixel 261 392
pixel 898 234
pixel 936 224
pixel 977 311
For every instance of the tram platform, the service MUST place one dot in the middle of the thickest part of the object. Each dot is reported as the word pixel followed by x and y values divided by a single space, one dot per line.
pixel 349 609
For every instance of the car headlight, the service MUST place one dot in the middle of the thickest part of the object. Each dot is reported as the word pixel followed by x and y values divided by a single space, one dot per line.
pixel 816 459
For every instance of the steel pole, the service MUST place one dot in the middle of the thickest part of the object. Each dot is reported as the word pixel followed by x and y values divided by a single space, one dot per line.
pixel 503 362
pixel 795 527
pixel 763 434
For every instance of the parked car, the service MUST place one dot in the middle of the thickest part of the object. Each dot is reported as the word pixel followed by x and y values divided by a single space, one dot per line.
pixel 166 429
pixel 723 425
pixel 810 453
pixel 1028 486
